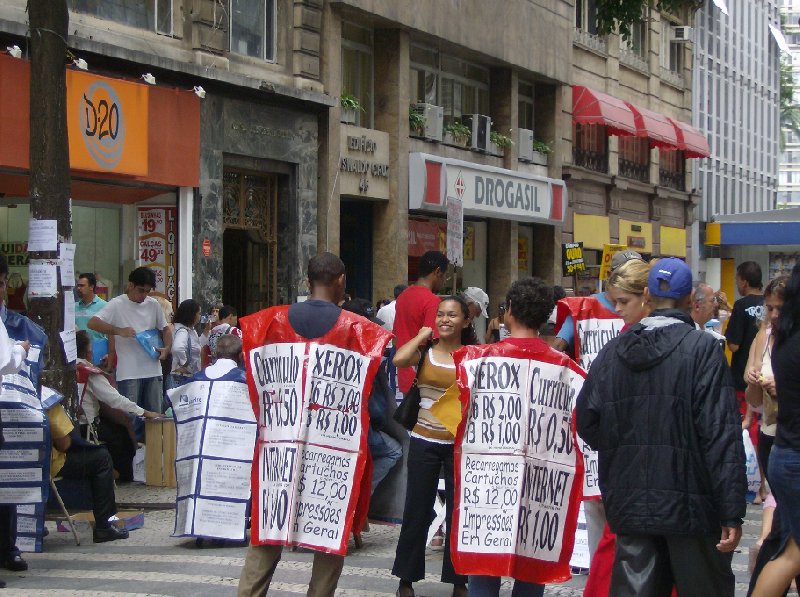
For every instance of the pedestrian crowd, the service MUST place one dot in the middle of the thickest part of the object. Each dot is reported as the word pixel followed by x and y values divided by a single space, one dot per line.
pixel 664 425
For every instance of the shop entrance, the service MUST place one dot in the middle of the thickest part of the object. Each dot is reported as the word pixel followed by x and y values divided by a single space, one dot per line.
pixel 355 245
pixel 249 243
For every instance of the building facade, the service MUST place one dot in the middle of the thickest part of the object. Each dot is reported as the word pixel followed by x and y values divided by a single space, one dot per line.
pixel 789 165
pixel 629 146
pixel 225 207
pixel 737 92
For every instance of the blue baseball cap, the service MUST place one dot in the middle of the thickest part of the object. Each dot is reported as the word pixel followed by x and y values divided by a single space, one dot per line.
pixel 675 273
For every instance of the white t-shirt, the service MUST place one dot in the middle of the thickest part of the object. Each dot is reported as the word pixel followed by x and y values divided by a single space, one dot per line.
pixel 132 360
pixel 386 315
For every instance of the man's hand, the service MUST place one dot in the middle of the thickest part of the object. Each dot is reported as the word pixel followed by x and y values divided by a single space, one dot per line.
pixel 26 346
pixel 164 353
pixel 125 332
pixel 560 344
pixel 729 539
pixel 149 414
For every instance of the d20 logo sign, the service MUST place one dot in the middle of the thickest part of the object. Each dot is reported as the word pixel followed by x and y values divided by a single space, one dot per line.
pixel 103 124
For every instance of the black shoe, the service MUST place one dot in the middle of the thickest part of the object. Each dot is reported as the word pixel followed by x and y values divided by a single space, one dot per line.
pixel 112 533
pixel 15 563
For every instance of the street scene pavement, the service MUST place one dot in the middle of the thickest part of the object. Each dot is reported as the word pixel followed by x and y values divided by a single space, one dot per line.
pixel 152 563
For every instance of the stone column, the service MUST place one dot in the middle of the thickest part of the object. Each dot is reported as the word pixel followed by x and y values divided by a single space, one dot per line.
pixel 504 110
pixel 207 283
pixel 329 134
pixel 502 258
pixel 390 219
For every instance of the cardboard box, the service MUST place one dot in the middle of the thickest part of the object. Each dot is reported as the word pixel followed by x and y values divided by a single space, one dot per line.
pixel 84 521
pixel 159 455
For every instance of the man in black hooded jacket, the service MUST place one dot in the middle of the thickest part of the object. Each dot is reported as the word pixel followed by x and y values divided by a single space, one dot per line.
pixel 660 409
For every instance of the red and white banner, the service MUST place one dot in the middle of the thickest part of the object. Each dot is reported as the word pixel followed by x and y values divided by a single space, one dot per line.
pixel 311 474
pixel 517 466
pixel 593 326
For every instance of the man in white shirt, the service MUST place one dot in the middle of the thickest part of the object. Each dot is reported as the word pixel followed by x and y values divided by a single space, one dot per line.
pixel 703 304
pixel 138 374
pixel 387 312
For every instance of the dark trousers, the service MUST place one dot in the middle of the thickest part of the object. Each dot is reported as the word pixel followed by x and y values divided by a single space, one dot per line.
pixel 120 446
pixel 94 465
pixel 425 460
pixel 762 452
pixel 8 532
pixel 649 566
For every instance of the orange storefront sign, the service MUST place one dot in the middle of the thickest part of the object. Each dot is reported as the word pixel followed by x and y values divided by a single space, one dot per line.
pixel 107 121
pixel 121 131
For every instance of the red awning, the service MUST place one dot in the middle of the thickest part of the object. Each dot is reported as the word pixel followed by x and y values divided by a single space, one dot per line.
pixel 655 127
pixel 594 107
pixel 692 142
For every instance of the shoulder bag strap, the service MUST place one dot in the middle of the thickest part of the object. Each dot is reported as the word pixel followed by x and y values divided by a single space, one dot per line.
pixel 424 353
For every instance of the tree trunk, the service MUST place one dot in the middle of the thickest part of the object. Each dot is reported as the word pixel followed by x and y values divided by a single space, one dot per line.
pixel 49 174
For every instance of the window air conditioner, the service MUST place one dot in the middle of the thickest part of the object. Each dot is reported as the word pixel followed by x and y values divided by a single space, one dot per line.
pixel 434 116
pixel 525 145
pixel 480 127
pixel 682 34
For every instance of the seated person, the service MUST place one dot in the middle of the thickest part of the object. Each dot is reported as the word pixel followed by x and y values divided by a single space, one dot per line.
pixel 105 409
pixel 74 458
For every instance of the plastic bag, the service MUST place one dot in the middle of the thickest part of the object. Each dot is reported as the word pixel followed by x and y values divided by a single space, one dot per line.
pixel 751 464
pixel 99 350
pixel 151 341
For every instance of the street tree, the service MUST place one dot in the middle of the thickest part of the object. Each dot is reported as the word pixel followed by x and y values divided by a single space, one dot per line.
pixel 49 173
pixel 613 15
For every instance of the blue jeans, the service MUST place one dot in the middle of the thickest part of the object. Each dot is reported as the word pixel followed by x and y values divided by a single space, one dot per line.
pixel 784 480
pixel 385 451
pixel 489 586
pixel 147 392
pixel 176 379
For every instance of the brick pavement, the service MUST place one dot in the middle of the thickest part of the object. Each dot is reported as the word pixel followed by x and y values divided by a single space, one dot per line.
pixel 153 563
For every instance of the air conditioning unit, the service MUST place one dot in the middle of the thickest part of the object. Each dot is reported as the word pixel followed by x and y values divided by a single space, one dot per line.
pixel 525 145
pixel 682 34
pixel 481 127
pixel 434 117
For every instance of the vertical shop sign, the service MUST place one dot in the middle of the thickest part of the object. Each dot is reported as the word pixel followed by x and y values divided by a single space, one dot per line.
pixel 158 248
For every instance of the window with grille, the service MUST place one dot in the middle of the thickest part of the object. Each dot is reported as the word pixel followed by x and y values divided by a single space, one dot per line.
pixel 590 147
pixel 672 169
pixel 634 158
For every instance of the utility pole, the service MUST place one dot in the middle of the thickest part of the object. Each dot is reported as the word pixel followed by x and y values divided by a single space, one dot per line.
pixel 49 174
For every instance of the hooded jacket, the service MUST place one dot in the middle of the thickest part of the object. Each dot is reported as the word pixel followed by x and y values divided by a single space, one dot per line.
pixel 659 407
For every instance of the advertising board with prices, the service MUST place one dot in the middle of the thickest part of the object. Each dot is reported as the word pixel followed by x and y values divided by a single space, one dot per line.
pixel 310 475
pixel 519 472
pixel 158 248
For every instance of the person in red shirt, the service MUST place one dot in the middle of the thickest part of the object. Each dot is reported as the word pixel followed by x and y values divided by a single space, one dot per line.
pixel 417 305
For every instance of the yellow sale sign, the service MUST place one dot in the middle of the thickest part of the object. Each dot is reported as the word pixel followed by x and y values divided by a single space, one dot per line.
pixel 608 254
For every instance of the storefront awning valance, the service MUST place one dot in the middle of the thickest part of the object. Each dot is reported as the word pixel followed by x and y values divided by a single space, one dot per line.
pixel 692 142
pixel 593 107
pixel 656 127
pixel 753 233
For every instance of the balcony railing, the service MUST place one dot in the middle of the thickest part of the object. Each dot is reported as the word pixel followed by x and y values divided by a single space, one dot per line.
pixel 672 179
pixel 590 40
pixel 591 160
pixel 632 59
pixel 634 170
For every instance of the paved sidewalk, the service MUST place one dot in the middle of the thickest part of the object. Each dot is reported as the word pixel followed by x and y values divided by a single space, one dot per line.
pixel 152 563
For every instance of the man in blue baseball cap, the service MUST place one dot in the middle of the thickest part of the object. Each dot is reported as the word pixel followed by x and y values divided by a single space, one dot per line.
pixel 659 407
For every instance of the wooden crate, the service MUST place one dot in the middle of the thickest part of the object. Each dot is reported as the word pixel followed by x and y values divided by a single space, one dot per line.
pixel 159 457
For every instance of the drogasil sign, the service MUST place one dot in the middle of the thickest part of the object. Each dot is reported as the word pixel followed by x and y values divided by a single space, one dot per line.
pixel 107 122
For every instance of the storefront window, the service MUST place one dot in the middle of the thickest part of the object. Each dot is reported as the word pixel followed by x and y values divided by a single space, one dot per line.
pixel 252 28
pixel 357 74
pixel 155 15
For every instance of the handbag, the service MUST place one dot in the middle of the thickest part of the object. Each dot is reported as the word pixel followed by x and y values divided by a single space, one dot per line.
pixel 407 412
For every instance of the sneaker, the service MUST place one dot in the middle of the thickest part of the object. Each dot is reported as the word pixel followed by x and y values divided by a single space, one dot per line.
pixel 112 533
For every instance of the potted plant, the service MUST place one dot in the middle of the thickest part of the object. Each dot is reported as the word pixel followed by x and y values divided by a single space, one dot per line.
pixel 416 122
pixel 457 133
pixel 540 152
pixel 499 143
pixel 350 108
